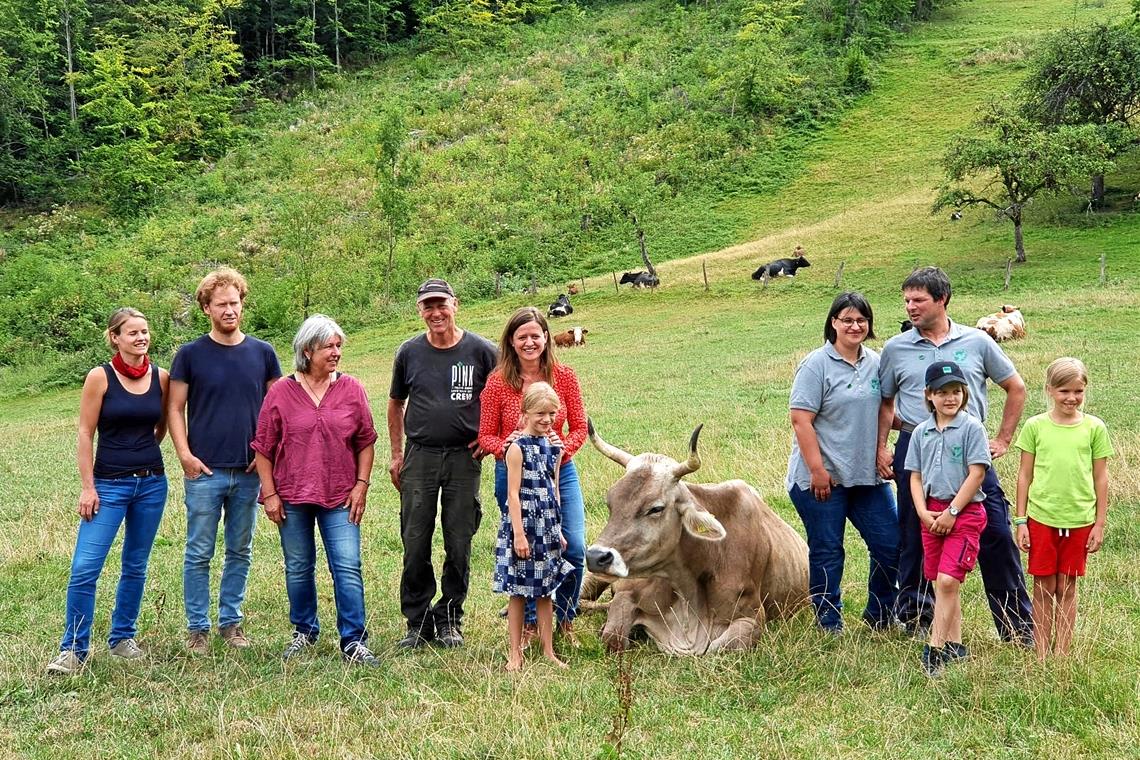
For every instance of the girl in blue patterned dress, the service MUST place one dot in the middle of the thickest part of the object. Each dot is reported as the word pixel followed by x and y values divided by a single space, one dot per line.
pixel 528 553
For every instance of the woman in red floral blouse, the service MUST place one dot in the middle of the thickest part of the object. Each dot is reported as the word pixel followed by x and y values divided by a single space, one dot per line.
pixel 526 355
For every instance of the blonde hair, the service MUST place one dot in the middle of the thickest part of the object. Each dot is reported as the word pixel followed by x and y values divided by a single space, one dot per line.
pixel 965 396
pixel 222 277
pixel 1062 371
pixel 115 322
pixel 538 394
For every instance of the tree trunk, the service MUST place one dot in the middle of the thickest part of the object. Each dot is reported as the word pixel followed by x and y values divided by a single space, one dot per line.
pixel 336 32
pixel 1098 191
pixel 1018 241
pixel 313 40
pixel 70 65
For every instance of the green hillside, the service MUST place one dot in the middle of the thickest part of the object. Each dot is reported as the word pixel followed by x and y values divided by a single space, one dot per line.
pixel 656 365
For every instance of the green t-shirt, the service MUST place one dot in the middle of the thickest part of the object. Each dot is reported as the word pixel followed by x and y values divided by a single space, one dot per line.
pixel 1062 493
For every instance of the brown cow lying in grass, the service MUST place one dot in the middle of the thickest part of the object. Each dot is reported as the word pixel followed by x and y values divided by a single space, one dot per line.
pixel 1007 324
pixel 575 336
pixel 699 568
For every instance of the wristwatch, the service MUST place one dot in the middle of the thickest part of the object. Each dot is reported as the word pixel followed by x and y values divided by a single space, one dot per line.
pixel 954 511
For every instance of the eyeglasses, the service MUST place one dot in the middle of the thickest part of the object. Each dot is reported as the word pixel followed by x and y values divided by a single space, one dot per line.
pixel 848 322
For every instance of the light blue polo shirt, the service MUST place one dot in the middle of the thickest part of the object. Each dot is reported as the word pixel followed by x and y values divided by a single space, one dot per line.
pixel 845 399
pixel 905 357
pixel 944 456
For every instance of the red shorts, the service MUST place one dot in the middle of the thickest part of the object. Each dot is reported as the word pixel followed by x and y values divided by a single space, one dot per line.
pixel 1055 551
pixel 955 554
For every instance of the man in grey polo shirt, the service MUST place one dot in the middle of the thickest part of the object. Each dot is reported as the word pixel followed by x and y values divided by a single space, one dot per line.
pixel 902 371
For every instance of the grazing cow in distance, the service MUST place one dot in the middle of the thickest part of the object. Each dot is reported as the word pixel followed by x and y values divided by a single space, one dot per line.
pixel 575 336
pixel 1007 324
pixel 781 267
pixel 640 279
pixel 699 568
pixel 955 216
pixel 571 289
pixel 905 325
pixel 561 307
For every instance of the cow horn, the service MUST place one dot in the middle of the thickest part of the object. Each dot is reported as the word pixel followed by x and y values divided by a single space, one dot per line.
pixel 613 452
pixel 693 463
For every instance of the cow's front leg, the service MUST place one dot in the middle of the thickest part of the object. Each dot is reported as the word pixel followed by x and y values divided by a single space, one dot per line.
pixel 620 619
pixel 742 633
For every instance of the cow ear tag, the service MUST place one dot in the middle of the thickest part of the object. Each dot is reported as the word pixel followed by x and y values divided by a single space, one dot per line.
pixel 702 524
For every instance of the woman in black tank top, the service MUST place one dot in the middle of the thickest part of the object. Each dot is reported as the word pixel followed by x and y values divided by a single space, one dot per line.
pixel 122 483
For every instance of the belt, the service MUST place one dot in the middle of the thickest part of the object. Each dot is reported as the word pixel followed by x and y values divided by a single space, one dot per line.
pixel 439 449
pixel 906 427
pixel 146 473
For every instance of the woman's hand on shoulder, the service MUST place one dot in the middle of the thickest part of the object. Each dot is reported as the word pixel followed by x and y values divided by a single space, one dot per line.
pixel 88 503
pixel 554 440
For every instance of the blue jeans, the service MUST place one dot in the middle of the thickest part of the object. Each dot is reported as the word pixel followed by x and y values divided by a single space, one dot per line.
pixel 342 549
pixel 139 503
pixel 871 509
pixel 231 492
pixel 573 516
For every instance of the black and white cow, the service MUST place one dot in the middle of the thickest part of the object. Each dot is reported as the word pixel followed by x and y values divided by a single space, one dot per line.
pixel 781 267
pixel 561 307
pixel 640 279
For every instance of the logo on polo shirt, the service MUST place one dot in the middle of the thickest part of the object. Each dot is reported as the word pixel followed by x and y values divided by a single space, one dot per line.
pixel 959 356
pixel 956 454
pixel 462 382
pixel 874 383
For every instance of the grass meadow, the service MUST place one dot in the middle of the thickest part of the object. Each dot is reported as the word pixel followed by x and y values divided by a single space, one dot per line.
pixel 657 364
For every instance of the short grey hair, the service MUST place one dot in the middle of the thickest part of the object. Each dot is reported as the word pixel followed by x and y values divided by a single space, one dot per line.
pixel 313 333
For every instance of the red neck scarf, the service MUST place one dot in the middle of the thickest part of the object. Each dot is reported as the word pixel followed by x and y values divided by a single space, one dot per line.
pixel 125 369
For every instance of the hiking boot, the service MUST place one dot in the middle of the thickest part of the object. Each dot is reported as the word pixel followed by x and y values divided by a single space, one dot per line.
pixel 300 641
pixel 127 649
pixel 66 663
pixel 449 637
pixel 413 639
pixel 234 636
pixel 197 642
pixel 356 653
pixel 953 651
pixel 933 660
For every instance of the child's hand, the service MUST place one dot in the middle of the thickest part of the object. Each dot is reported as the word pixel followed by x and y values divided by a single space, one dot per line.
pixel 562 541
pixel 943 523
pixel 522 546
pixel 1096 537
pixel 1022 537
pixel 926 517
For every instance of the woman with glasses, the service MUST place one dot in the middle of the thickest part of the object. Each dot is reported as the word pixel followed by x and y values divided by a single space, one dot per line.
pixel 832 476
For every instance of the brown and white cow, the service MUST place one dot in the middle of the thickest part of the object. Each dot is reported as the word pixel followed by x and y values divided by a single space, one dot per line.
pixel 575 336
pixel 1007 324
pixel 699 568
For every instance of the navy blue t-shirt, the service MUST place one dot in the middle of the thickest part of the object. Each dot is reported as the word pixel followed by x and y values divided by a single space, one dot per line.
pixel 225 388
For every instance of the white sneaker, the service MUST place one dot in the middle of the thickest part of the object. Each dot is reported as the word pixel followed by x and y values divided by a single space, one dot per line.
pixel 66 663
pixel 127 649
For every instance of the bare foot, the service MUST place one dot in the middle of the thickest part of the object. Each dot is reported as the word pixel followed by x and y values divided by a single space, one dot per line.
pixel 514 665
pixel 554 658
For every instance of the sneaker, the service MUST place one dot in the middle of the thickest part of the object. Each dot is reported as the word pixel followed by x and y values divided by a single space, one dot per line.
pixel 356 653
pixel 234 636
pixel 933 660
pixel 413 639
pixel 449 637
pixel 66 663
pixel 300 641
pixel 127 649
pixel 197 642
pixel 954 651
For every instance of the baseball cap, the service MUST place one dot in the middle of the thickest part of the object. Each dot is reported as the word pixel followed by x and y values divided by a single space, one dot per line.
pixel 943 373
pixel 434 288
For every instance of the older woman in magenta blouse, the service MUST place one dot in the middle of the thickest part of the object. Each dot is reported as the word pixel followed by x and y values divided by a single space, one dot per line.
pixel 314 451
pixel 526 355
pixel 832 477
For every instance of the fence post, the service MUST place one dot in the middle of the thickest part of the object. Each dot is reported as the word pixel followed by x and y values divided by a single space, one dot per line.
pixel 583 285
pixel 705 272
pixel 839 274
pixel 615 282
pixel 1103 280
pixel 534 285
pixel 1008 272
pixel 498 284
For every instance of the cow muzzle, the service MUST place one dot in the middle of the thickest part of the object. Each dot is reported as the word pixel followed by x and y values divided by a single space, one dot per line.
pixel 603 559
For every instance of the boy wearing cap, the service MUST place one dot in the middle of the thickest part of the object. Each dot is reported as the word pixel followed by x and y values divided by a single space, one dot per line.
pixel 948 458
pixel 434 402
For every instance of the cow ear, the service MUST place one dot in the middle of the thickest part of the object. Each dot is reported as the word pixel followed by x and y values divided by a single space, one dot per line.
pixel 701 524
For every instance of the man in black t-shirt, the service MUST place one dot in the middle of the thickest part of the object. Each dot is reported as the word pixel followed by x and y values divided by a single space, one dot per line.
pixel 436 381
pixel 222 377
